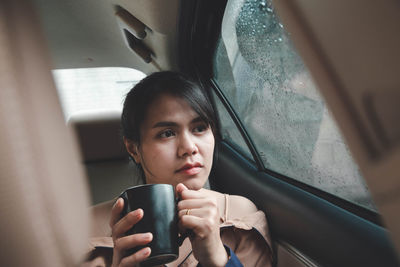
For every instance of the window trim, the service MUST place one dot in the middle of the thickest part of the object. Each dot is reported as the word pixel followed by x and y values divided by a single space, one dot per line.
pixel 242 130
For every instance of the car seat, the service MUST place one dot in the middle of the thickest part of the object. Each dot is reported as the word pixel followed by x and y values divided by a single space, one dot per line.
pixel 106 161
pixel 44 198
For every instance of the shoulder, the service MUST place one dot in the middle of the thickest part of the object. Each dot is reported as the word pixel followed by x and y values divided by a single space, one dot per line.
pixel 239 207
pixel 245 205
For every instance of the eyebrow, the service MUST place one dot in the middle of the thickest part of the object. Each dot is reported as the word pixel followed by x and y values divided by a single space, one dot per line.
pixel 174 124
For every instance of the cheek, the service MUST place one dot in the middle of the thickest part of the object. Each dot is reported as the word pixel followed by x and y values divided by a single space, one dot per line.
pixel 157 156
pixel 208 148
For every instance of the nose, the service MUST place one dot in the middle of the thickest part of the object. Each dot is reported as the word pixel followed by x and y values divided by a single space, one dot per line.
pixel 187 146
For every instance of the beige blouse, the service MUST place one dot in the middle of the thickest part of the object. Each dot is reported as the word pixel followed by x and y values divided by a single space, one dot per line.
pixel 243 228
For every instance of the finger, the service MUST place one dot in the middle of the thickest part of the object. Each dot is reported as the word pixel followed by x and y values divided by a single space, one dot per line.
pixel 184 205
pixel 127 222
pixel 179 189
pixel 189 194
pixel 202 213
pixel 135 258
pixel 116 211
pixel 199 226
pixel 132 241
pixel 183 232
pixel 197 203
pixel 117 256
pixel 127 242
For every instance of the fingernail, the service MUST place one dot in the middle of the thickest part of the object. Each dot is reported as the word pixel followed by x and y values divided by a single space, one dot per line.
pixel 146 251
pixel 138 212
pixel 115 204
pixel 148 236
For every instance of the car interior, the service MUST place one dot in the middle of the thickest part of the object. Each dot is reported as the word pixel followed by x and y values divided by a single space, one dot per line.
pixel 306 92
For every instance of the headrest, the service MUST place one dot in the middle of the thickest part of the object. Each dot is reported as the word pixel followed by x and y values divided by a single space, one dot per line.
pixel 99 135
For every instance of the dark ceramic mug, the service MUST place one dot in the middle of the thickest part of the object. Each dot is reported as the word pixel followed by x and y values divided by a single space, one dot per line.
pixel 160 218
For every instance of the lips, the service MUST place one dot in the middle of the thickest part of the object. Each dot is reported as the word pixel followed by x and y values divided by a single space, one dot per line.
pixel 190 168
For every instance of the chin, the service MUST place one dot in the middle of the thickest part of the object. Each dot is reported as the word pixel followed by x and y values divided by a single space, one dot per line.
pixel 195 184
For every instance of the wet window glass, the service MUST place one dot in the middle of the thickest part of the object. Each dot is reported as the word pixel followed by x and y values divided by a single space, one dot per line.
pixel 94 89
pixel 265 80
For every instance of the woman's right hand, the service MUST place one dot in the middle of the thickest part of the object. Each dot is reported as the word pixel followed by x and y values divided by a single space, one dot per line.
pixel 122 243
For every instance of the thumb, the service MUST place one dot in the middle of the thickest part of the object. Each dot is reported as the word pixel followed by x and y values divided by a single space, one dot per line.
pixel 180 188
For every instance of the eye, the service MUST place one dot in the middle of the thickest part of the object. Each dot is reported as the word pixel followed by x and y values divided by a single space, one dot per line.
pixel 166 134
pixel 200 128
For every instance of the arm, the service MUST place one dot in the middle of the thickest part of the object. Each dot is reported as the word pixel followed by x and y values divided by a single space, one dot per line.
pixel 199 215
pixel 246 232
pixel 248 245
pixel 233 260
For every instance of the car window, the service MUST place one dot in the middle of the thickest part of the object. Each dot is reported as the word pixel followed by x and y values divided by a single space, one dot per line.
pixel 265 80
pixel 229 131
pixel 94 89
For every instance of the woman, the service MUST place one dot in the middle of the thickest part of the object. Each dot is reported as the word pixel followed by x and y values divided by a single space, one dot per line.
pixel 169 130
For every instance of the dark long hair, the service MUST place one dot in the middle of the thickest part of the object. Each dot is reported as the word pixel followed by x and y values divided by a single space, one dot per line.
pixel 143 94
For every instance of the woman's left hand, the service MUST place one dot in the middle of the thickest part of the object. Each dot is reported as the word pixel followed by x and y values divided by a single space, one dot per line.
pixel 198 212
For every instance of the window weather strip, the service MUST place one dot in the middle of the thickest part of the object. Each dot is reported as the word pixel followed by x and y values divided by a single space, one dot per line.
pixel 297 254
pixel 239 125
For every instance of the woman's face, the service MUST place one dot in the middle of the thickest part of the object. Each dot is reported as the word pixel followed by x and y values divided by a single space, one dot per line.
pixel 176 145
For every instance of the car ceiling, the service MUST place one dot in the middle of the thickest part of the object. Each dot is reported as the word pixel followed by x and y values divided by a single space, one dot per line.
pixel 84 34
